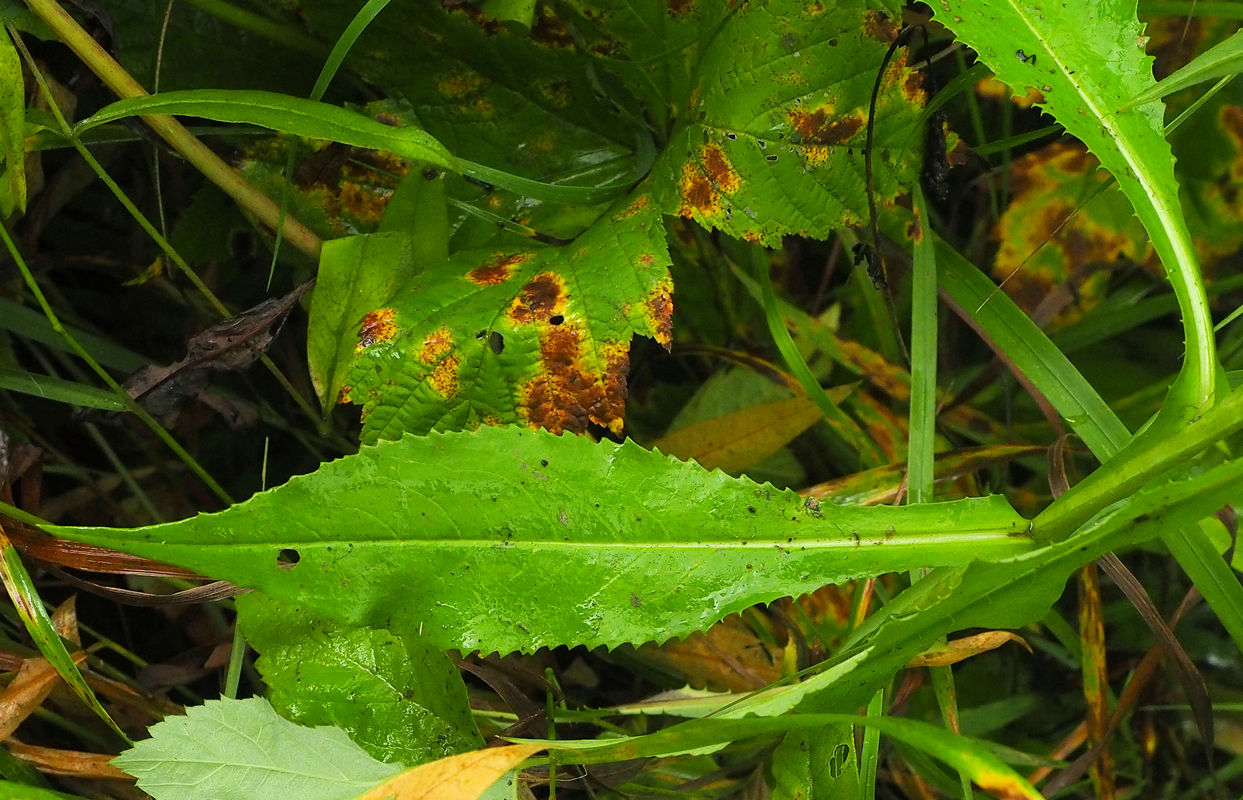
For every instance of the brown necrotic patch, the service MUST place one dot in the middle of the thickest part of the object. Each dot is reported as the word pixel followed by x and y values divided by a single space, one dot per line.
pixel 818 127
pixel 378 327
pixel 438 351
pixel 550 31
pixel 568 396
pixel 540 299
pixel 698 193
pixel 678 8
pixel 658 310
pixel 498 270
pixel 879 27
pixel 720 171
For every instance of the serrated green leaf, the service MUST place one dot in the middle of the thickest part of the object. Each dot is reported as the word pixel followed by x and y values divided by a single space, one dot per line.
pixel 509 539
pixel 778 119
pixel 399 699
pixel 244 750
pixel 1224 58
pixel 539 336
pixel 1085 60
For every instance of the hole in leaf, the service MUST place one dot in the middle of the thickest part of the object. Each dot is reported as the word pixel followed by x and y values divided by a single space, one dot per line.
pixel 288 558
pixel 480 335
pixel 497 342
pixel 556 319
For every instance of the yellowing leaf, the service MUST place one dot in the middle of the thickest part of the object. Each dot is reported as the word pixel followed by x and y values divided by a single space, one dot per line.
pixel 461 777
pixel 735 441
pixel 941 655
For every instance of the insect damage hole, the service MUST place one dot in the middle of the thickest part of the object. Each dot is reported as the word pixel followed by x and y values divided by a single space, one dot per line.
pixel 288 558
pixel 497 342
pixel 556 319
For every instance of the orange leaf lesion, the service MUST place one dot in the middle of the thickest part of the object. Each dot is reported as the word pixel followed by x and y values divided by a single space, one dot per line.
pixel 377 327
pixel 541 299
pixel 439 352
pixel 566 394
pixel 819 126
pixel 704 180
pixel 498 270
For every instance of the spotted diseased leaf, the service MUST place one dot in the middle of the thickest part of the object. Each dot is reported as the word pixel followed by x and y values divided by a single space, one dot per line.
pixel 774 143
pixel 538 336
pixel 1060 226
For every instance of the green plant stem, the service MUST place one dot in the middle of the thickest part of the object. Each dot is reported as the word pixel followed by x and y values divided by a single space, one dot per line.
pixel 130 402
pixel 1147 456
pixel 198 154
pixel 237 655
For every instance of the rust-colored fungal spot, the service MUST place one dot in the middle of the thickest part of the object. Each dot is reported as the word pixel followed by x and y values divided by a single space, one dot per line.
pixel 439 353
pixel 658 309
pixel 915 230
pixel 550 31
pixel 913 84
pixel 678 8
pixel 720 171
pixel 461 83
pixel 813 9
pixel 542 298
pixel 566 395
pixel 498 270
pixel 481 108
pixel 629 211
pixel 555 93
pixel 343 395
pixel 437 345
pixel 698 193
pixel 816 154
pixel 489 25
pixel 377 327
pixel 879 27
pixel 816 128
pixel 362 202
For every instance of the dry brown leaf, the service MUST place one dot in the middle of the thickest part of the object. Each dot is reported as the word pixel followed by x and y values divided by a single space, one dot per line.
pixel 34 682
pixel 461 777
pixel 952 652
pixel 71 763
pixel 65 620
